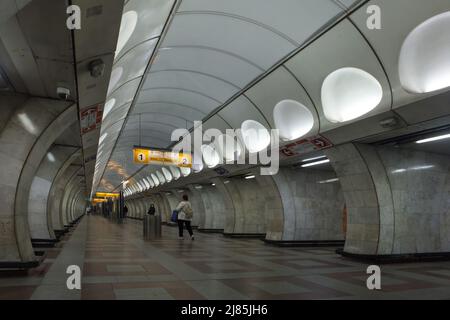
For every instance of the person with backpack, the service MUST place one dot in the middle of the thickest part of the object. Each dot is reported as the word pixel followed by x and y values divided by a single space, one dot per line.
pixel 185 215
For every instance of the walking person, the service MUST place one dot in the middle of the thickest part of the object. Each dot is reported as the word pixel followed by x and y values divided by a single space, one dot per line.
pixel 185 215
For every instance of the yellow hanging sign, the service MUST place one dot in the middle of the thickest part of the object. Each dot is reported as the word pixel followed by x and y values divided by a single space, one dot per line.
pixel 157 157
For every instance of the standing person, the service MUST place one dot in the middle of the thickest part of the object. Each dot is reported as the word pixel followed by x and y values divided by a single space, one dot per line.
pixel 125 211
pixel 151 211
pixel 185 215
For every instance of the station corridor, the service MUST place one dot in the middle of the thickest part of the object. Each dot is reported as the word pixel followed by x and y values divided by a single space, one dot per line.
pixel 118 264
pixel 305 142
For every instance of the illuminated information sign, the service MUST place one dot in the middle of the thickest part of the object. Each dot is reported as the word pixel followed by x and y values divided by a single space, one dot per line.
pixel 164 158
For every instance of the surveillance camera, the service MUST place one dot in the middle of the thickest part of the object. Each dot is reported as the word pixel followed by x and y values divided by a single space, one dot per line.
pixel 63 93
pixel 97 68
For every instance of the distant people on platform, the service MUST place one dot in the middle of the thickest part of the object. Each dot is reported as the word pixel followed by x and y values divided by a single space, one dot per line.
pixel 151 211
pixel 185 215
pixel 125 211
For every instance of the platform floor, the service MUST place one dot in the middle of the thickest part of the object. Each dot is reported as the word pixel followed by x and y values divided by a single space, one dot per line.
pixel 117 263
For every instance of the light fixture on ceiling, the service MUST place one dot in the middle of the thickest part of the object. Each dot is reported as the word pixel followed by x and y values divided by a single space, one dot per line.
pixel 315 158
pixel 316 163
pixel 250 177
pixel 185 171
pixel 228 147
pixel 151 182
pixel 210 156
pixel 102 138
pixel 256 136
pixel 350 93
pixel 147 185
pixel 116 74
pixel 167 175
pixel 292 119
pixel 161 178
pixel 175 172
pixel 424 63
pixel 127 27
pixel 328 181
pixel 433 139
pixel 27 123
pixel 51 157
pixel 155 180
pixel 109 105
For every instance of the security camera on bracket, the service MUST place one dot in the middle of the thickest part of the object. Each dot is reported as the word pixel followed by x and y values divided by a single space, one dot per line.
pixel 63 93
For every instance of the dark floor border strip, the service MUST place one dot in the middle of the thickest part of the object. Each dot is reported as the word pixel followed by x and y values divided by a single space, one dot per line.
pixel 244 235
pixel 201 230
pixel 397 258
pixel 19 265
pixel 314 243
pixel 43 245
pixel 44 240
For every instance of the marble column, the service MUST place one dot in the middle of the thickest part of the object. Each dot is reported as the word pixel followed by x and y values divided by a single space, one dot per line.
pixel 397 199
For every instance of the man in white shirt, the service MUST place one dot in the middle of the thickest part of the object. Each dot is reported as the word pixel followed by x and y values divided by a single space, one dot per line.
pixel 185 215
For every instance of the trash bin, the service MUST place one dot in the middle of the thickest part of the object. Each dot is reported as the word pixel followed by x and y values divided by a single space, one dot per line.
pixel 152 227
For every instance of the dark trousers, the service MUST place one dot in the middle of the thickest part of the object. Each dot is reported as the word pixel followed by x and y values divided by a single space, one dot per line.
pixel 188 227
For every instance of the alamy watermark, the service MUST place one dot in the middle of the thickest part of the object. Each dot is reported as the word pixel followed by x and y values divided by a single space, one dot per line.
pixel 374 280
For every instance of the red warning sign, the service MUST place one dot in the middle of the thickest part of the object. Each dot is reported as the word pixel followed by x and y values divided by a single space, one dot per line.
pixel 91 118
pixel 305 146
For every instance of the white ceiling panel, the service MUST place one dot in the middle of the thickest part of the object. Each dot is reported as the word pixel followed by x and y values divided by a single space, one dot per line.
pixel 295 20
pixel 242 37
pixel 280 85
pixel 241 110
pixel 196 100
pixel 188 112
pixel 132 64
pixel 190 81
pixel 223 65
pixel 151 17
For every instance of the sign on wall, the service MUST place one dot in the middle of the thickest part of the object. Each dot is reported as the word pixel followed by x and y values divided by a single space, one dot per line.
pixel 91 118
pixel 305 146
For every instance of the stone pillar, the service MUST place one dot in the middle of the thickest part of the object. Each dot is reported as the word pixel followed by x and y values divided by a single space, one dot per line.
pixel 312 209
pixel 25 138
pixel 67 171
pixel 38 216
pixel 397 199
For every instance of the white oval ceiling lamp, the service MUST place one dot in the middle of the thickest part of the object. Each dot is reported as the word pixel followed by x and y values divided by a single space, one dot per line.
pixel 147 185
pixel 109 105
pixel 116 74
pixel 161 178
pixel 210 156
pixel 256 137
pixel 292 119
pixel 127 27
pixel 185 171
pixel 167 175
pixel 228 147
pixel 350 93
pixel 152 183
pixel 102 138
pixel 155 180
pixel 424 63
pixel 175 172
